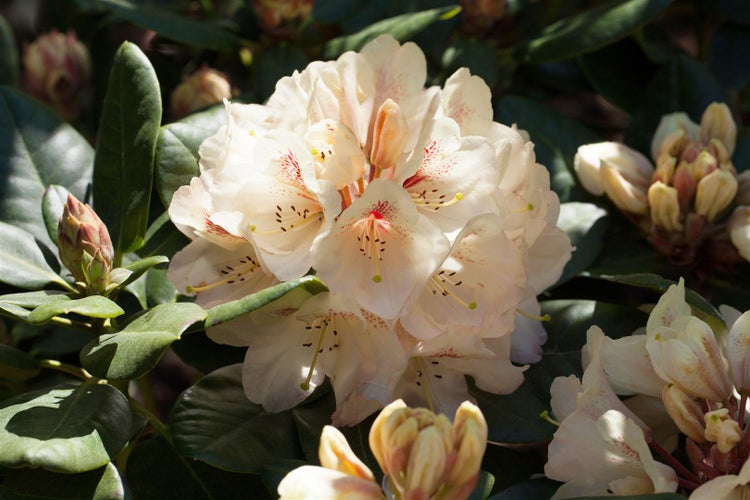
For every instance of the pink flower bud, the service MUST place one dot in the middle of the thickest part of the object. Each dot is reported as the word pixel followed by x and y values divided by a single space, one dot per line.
pixel 199 90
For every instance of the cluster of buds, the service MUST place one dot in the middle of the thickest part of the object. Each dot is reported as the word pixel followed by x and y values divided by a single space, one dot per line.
pixel 680 202
pixel 421 454
pixel 478 16
pixel 199 90
pixel 57 71
pixel 85 246
pixel 275 15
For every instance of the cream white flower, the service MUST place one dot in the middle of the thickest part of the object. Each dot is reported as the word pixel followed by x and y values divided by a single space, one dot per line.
pixel 728 487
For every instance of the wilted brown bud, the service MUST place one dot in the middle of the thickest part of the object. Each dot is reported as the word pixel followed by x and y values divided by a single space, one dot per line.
pixel 85 246
pixel 199 90
pixel 57 71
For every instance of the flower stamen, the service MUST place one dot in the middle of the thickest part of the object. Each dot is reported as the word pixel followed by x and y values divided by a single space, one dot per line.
pixel 291 218
pixel 230 275
pixel 323 326
pixel 434 200
pixel 442 280
pixel 371 242
pixel 545 317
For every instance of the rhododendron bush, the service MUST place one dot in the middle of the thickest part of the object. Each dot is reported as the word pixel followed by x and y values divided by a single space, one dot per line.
pixel 318 249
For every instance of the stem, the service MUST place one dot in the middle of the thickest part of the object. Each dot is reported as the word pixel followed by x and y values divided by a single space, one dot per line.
pixel 76 371
pixel 741 410
pixel 59 320
pixel 671 461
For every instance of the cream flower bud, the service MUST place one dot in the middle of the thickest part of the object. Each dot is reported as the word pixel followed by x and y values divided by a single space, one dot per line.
pixel 627 196
pixel 717 123
pixel 57 70
pixel 715 193
pixel 665 206
pixel 668 125
pixel 389 136
pixel 428 459
pixel 470 440
pixel 199 90
pixel 84 245
pixel 737 349
pixel 665 168
pixel 632 165
pixel 687 355
pixel 685 412
pixel 739 230
pixel 722 430
pixel 335 453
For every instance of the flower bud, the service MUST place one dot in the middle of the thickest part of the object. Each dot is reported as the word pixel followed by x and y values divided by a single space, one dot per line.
pixel 715 192
pixel 57 70
pixel 685 412
pixel 631 165
pixel 199 90
pixel 739 230
pixel 684 129
pixel 470 441
pixel 85 246
pixel 665 206
pixel 389 135
pixel 722 430
pixel 477 16
pixel 627 196
pixel 717 123
pixel 335 453
pixel 737 349
pixel 273 13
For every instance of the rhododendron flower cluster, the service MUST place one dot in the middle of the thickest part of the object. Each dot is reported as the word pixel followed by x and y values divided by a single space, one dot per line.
pixel 431 225
pixel 682 381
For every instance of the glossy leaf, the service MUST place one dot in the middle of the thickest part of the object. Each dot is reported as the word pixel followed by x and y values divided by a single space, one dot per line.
pixel 585 224
pixel 214 422
pixel 22 262
pixel 589 30
pixel 200 34
pixel 32 299
pixel 123 276
pixel 556 139
pixel 402 28
pixel 53 203
pixel 136 349
pixel 277 62
pixel 16 364
pixel 104 482
pixel 162 238
pixel 529 490
pixel 126 139
pixel 94 306
pixel 64 429
pixel 155 471
pixel 176 160
pixel 8 55
pixel 202 353
pixel 637 255
pixel 232 310
pixel 32 139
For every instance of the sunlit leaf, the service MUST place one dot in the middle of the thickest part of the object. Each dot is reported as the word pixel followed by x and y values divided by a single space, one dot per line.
pixel 137 348
pixel 126 139
pixel 22 262
pixel 64 429
pixel 214 422
pixel 53 203
pixel 94 306
pixel 589 30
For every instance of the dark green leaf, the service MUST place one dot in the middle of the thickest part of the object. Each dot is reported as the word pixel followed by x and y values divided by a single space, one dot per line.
pixel 64 429
pixel 126 139
pixel 402 28
pixel 176 159
pixel 232 310
pixel 22 262
pixel 32 142
pixel 556 139
pixel 94 306
pixel 123 276
pixel 619 257
pixel 729 55
pixel 163 238
pixel 590 30
pixel 159 290
pixel 214 422
pixel 585 224
pixel 8 55
pixel 104 482
pixel 533 489
pixel 16 364
pixel 156 472
pixel 484 486
pixel 204 354
pixel 200 34
pixel 278 61
pixel 53 204
pixel 136 349
pixel 479 57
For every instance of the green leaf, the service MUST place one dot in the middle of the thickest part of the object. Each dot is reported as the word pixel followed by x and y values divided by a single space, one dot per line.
pixel 532 489
pixel 214 422
pixel 163 238
pixel 204 354
pixel 104 482
pixel 138 347
pixel 94 306
pixel 232 310
pixel 126 139
pixel 589 30
pixel 636 256
pixel 176 159
pixel 16 364
pixel 53 203
pixel 32 299
pixel 202 34
pixel 728 55
pixel 22 262
pixel 480 58
pixel 402 28
pixel 556 139
pixel 32 142
pixel 585 224
pixel 64 429
pixel 8 55
pixel 123 276
pixel 155 472
pixel 276 62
